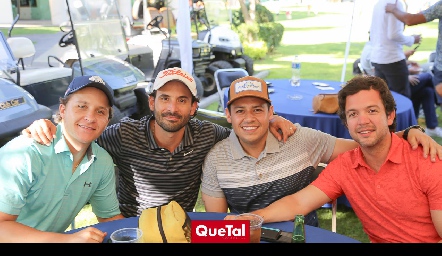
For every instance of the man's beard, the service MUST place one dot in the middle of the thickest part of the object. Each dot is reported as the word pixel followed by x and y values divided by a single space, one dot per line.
pixel 171 126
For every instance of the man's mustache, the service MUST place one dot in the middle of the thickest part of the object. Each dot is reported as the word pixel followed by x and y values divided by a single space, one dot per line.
pixel 176 115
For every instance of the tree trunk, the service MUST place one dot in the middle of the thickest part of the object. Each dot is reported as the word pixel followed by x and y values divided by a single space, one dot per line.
pixel 245 12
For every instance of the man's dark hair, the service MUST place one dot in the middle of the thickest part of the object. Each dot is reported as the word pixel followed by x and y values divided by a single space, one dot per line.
pixel 364 82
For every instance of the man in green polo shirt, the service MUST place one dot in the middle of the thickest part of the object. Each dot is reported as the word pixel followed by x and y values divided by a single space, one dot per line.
pixel 44 188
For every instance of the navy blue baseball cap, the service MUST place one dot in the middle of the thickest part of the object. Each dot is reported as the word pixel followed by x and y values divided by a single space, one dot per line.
pixel 81 82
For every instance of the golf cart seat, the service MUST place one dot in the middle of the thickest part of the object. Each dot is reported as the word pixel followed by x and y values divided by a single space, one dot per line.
pixel 223 78
pixel 23 47
pixel 46 84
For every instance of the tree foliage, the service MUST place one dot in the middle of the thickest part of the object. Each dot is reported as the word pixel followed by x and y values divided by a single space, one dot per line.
pixel 261 29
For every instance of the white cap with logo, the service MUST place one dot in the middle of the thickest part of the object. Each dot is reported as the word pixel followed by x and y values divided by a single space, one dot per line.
pixel 175 74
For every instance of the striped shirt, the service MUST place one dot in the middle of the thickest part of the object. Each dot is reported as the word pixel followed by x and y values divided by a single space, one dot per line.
pixel 435 12
pixel 250 183
pixel 151 176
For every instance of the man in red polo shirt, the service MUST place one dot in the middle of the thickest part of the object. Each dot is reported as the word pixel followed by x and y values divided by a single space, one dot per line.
pixel 394 190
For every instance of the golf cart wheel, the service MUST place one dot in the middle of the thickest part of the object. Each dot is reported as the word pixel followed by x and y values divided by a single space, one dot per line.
pixel 221 64
pixel 209 76
pixel 199 88
pixel 249 64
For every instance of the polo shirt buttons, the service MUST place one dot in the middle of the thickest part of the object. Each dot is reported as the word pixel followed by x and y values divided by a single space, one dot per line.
pixel 378 186
pixel 260 175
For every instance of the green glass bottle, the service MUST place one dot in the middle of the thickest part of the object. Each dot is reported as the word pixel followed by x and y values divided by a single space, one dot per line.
pixel 298 235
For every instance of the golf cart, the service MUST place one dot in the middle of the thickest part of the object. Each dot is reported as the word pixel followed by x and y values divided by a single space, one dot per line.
pixel 18 108
pixel 96 44
pixel 226 45
pixel 159 36
pixel 45 84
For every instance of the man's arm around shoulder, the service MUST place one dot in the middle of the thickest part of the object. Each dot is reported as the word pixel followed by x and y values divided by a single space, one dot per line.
pixel 407 18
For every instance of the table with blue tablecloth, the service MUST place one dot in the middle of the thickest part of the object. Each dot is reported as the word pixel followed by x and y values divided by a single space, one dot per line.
pixel 313 234
pixel 301 111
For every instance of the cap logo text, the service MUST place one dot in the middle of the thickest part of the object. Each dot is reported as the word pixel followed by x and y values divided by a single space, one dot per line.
pixel 176 72
pixel 248 86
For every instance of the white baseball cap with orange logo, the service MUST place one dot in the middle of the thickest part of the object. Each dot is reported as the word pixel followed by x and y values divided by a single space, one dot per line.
pixel 175 74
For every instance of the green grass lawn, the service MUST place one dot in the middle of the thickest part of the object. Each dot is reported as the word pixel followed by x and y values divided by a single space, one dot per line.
pixel 34 30
pixel 321 59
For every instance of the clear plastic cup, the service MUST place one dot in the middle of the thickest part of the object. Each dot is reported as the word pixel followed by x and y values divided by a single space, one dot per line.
pixel 127 235
pixel 255 225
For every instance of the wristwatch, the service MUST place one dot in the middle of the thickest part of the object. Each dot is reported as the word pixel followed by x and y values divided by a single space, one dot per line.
pixel 405 136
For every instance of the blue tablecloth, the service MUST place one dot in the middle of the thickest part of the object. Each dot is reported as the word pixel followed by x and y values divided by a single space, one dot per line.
pixel 313 234
pixel 300 111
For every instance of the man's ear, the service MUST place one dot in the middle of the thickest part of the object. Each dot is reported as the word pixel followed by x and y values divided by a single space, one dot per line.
pixel 62 109
pixel 390 117
pixel 151 103
pixel 194 108
pixel 227 112
pixel 271 112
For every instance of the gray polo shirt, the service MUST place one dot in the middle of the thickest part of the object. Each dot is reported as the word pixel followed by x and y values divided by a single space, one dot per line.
pixel 250 183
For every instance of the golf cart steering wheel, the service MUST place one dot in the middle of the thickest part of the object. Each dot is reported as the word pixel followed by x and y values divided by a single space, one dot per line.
pixel 155 22
pixel 66 39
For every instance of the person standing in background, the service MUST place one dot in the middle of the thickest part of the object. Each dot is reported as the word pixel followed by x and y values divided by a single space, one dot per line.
pixel 421 85
pixel 387 40
pixel 433 12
